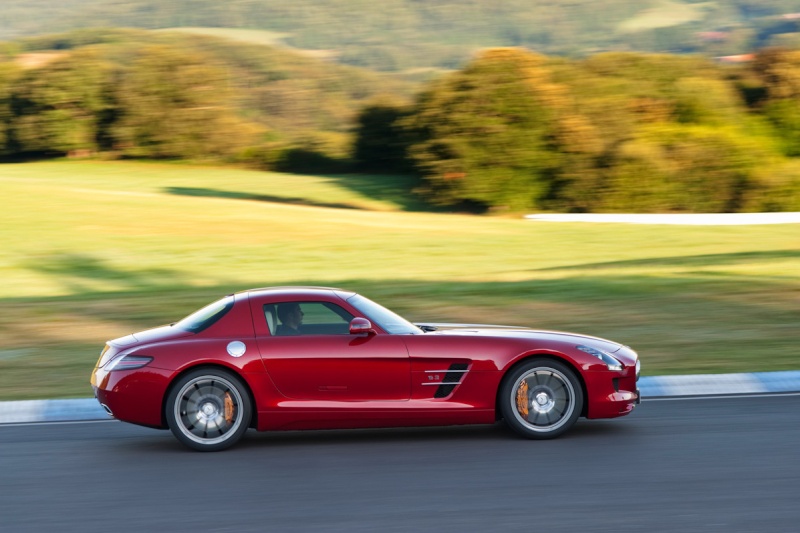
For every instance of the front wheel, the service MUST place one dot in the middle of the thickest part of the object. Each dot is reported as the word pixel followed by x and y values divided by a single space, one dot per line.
pixel 208 409
pixel 541 399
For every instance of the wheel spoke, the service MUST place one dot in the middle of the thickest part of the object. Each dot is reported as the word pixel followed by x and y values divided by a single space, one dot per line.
pixel 208 410
pixel 543 399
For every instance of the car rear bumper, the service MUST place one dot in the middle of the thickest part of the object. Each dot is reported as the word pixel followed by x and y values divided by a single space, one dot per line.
pixel 132 395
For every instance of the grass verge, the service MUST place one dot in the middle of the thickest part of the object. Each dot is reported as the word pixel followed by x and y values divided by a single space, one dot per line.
pixel 91 251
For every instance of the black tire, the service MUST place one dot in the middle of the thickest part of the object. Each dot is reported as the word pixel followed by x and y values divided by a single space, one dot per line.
pixel 541 398
pixel 208 409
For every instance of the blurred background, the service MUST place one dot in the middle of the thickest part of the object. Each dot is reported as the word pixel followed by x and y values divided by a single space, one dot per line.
pixel 158 155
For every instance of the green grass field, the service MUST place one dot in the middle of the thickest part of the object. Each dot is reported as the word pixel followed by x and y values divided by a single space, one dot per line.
pixel 664 15
pixel 262 37
pixel 258 37
pixel 94 250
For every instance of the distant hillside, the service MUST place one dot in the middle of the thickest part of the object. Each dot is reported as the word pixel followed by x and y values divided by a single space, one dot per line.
pixel 147 91
pixel 513 130
pixel 397 35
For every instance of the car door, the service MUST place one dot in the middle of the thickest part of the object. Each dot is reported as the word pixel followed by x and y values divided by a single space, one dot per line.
pixel 325 362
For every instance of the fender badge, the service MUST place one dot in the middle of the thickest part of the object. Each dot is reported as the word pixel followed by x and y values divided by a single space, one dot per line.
pixel 236 348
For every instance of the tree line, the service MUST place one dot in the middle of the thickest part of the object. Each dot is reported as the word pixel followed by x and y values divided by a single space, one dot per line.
pixel 512 130
pixel 133 93
pixel 614 132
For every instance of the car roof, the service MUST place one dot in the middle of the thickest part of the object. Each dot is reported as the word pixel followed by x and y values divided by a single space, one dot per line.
pixel 298 291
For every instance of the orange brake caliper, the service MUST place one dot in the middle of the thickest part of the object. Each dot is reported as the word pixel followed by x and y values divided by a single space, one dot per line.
pixel 228 408
pixel 522 399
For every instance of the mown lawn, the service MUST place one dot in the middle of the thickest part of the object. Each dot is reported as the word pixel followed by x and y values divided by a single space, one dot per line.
pixel 94 250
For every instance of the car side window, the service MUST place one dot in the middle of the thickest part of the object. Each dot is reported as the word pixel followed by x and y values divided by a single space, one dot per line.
pixel 306 318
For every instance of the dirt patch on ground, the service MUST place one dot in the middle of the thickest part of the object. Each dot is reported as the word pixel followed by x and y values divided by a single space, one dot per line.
pixel 37 59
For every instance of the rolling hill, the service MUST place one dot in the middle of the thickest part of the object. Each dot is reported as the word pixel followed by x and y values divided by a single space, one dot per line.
pixel 398 35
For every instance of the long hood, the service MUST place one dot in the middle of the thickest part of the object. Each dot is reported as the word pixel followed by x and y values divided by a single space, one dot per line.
pixel 487 330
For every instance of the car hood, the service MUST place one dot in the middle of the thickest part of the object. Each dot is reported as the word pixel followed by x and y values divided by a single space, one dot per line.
pixel 487 330
pixel 147 336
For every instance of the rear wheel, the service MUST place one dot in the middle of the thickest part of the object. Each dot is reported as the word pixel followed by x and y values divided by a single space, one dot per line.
pixel 541 399
pixel 208 409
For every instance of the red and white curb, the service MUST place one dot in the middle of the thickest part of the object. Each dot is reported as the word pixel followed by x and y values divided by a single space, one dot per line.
pixel 28 411
pixel 720 384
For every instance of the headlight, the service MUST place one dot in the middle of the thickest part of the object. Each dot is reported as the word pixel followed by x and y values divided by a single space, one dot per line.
pixel 607 358
pixel 128 362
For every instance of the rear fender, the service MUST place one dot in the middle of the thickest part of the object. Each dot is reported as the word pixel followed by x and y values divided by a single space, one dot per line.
pixel 254 420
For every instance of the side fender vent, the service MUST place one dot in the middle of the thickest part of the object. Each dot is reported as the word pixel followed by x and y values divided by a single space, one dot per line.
pixel 453 378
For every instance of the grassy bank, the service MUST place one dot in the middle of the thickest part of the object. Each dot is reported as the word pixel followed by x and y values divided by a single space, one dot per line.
pixel 91 250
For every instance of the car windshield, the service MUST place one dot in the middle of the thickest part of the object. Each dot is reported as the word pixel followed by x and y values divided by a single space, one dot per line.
pixel 387 320
pixel 205 317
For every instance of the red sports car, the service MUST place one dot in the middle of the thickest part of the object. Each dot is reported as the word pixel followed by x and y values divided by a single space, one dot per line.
pixel 290 358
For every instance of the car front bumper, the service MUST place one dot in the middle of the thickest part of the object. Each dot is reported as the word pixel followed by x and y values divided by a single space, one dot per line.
pixel 611 393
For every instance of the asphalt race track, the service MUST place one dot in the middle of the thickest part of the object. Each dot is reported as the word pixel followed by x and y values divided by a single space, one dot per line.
pixel 713 464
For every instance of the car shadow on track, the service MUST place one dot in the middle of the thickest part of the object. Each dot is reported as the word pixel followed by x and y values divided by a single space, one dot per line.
pixel 386 435
pixel 496 432
pixel 161 442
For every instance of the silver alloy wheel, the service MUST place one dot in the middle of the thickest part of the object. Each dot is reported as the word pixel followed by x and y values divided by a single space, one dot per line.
pixel 208 409
pixel 543 399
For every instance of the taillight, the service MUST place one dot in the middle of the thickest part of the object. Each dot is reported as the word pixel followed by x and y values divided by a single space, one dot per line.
pixel 128 362
pixel 105 355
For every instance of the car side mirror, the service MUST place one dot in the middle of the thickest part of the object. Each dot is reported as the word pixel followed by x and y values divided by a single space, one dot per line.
pixel 361 325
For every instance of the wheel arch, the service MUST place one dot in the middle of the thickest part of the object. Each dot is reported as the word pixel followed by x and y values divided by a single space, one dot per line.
pixel 539 356
pixel 254 415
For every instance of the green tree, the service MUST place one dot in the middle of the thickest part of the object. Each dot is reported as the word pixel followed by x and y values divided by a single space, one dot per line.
pixel 684 168
pixel 484 134
pixel 779 71
pixel 178 104
pixel 381 143
pixel 663 133
pixel 8 76
pixel 57 108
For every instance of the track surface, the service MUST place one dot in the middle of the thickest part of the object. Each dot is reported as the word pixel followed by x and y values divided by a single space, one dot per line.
pixel 723 465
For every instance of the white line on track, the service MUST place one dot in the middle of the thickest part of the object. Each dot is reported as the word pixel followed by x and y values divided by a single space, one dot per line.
pixel 686 219
pixel 57 423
